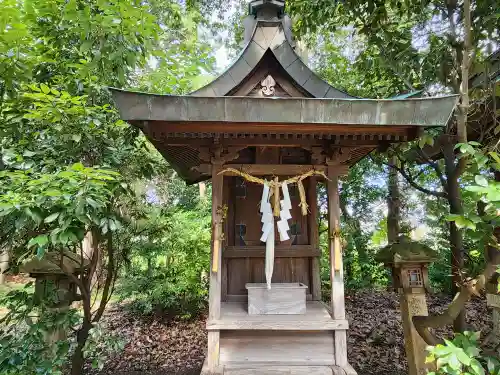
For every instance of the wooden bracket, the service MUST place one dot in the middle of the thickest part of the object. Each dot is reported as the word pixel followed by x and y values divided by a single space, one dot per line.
pixel 337 155
pixel 218 154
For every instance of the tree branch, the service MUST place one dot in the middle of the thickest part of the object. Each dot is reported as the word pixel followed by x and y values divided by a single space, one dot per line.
pixel 423 324
pixel 409 178
pixel 435 166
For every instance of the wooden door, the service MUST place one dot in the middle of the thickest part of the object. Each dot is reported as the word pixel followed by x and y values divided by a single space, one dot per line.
pixel 245 254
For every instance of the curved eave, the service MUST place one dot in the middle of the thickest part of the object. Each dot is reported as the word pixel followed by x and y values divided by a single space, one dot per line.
pixel 422 112
pixel 273 36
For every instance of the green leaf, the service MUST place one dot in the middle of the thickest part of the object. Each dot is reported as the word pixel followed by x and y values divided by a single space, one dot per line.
pixel 462 357
pixel 40 240
pixel 40 252
pixel 51 218
pixel 453 361
pixel 86 46
pixel 76 137
pixel 45 88
pixel 481 181
pixel 476 367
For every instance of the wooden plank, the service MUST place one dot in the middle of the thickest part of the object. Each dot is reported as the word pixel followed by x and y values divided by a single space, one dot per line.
pixel 234 316
pixel 336 267
pixel 274 169
pixel 244 298
pixel 275 127
pixel 270 169
pixel 263 141
pixel 312 199
pixel 279 370
pixel 238 275
pixel 279 253
pixel 213 355
pixel 278 247
pixel 278 348
pixel 298 325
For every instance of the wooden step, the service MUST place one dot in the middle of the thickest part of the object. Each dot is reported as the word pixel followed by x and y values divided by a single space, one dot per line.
pixel 280 370
pixel 234 316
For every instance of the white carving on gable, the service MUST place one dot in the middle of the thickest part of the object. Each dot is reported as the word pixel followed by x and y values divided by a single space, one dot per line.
pixel 268 84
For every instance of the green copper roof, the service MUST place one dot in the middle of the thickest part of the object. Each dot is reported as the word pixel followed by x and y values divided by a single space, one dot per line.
pixel 405 250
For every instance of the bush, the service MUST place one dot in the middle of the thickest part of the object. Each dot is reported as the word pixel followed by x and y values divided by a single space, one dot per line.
pixel 38 339
pixel 462 355
pixel 169 275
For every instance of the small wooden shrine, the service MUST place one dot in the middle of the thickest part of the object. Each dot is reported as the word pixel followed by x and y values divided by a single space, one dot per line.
pixel 268 119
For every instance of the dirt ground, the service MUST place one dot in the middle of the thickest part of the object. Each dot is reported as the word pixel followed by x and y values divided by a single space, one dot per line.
pixel 156 347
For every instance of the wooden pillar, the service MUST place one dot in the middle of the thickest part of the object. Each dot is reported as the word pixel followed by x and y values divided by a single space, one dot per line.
pixel 314 238
pixel 214 299
pixel 336 266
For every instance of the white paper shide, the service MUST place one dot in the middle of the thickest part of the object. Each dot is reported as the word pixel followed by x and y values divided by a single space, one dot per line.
pixel 268 230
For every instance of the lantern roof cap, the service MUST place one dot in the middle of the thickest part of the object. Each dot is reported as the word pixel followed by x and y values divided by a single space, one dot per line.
pixel 405 250
pixel 56 263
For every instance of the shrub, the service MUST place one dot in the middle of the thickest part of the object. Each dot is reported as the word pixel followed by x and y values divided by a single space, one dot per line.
pixel 169 276
pixel 462 355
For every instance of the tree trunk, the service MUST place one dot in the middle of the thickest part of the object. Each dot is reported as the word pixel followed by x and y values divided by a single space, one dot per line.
pixel 455 237
pixel 393 204
pixel 90 249
pixel 203 190
pixel 4 265
pixel 78 360
pixel 150 267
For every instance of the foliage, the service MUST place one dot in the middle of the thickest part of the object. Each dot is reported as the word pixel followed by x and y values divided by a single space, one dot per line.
pixel 24 333
pixel 32 322
pixel 462 355
pixel 56 209
pixel 101 344
pixel 167 272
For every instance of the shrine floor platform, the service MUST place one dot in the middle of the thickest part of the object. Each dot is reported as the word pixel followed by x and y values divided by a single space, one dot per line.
pixel 234 316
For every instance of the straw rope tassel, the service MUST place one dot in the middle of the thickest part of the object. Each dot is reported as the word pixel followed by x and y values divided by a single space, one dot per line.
pixel 276 197
pixel 303 202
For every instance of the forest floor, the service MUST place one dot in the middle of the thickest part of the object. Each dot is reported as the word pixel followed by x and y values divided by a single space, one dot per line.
pixel 158 347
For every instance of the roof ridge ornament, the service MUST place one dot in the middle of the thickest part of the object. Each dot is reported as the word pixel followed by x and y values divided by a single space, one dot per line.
pixel 268 10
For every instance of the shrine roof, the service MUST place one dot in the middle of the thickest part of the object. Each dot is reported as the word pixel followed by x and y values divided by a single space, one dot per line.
pixel 269 97
pixel 422 112
pixel 270 35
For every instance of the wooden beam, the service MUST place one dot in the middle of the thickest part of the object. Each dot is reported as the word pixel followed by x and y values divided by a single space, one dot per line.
pixel 314 237
pixel 264 141
pixel 274 127
pixel 336 266
pixel 292 325
pixel 270 169
pixel 259 252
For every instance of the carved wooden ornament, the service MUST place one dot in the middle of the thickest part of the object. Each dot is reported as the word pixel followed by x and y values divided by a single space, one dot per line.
pixel 268 84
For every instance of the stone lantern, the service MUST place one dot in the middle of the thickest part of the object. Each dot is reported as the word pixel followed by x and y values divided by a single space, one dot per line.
pixel 53 284
pixel 493 302
pixel 409 262
pixel 49 275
